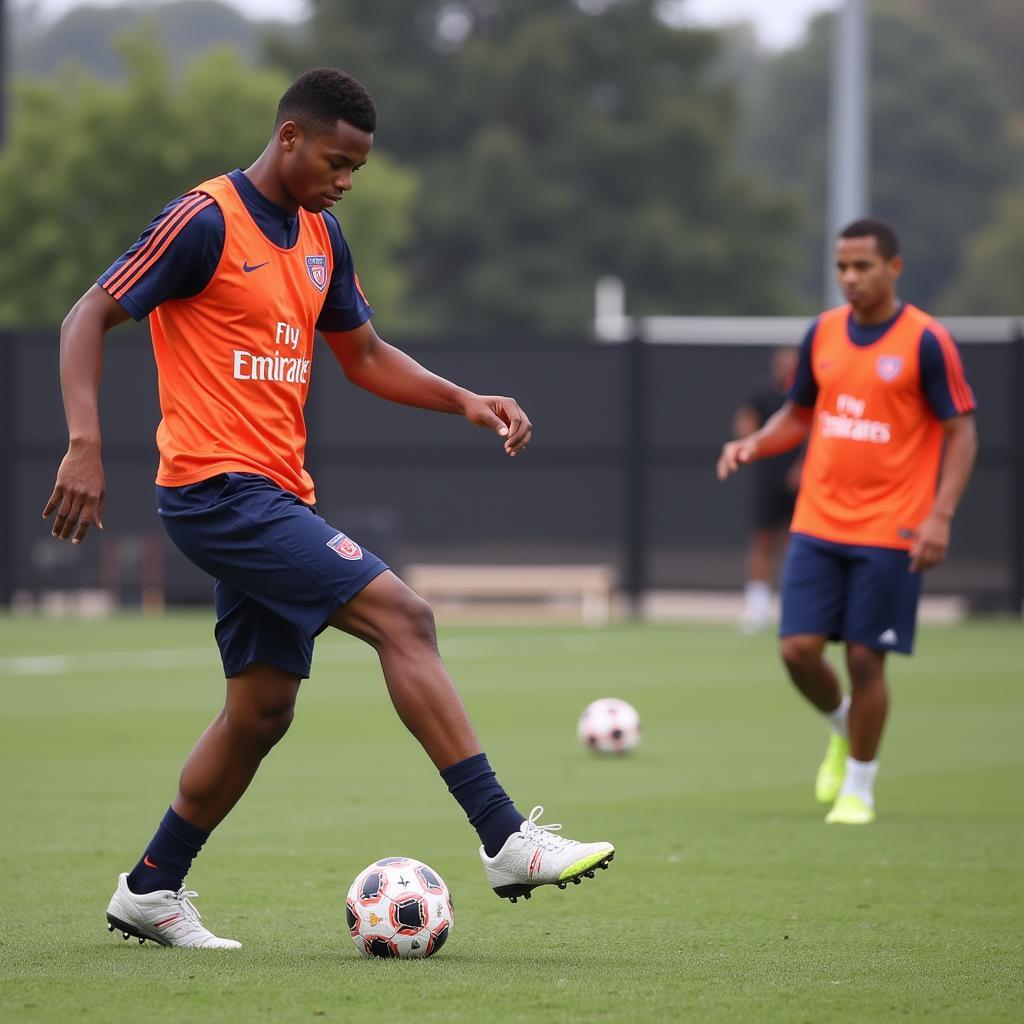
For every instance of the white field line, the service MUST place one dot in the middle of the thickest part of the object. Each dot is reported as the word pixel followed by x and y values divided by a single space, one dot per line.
pixel 326 654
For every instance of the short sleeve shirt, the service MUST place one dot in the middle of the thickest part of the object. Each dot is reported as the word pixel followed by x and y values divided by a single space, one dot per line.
pixel 186 265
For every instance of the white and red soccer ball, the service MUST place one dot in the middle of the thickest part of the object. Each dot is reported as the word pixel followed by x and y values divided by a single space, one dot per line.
pixel 399 907
pixel 609 726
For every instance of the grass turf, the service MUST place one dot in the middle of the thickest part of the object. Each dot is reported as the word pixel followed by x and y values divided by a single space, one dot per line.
pixel 728 898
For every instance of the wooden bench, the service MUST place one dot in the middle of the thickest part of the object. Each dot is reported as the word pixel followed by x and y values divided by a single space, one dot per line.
pixel 516 591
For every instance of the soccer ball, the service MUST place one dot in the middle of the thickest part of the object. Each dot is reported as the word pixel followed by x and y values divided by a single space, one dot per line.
pixel 399 907
pixel 609 726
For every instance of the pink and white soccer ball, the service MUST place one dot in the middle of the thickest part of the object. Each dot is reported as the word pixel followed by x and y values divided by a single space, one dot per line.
pixel 609 726
pixel 399 907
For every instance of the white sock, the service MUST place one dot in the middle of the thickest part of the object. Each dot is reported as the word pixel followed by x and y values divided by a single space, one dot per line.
pixel 837 719
pixel 860 780
pixel 757 600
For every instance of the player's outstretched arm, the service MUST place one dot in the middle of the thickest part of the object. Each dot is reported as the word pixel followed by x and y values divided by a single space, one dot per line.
pixel 783 431
pixel 77 497
pixel 371 363
pixel 932 540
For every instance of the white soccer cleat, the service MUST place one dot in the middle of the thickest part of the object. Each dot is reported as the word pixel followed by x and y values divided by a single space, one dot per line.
pixel 535 856
pixel 165 917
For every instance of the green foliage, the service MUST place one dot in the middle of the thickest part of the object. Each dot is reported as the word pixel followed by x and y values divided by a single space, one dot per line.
pixel 89 34
pixel 990 279
pixel 89 163
pixel 995 27
pixel 942 144
pixel 558 145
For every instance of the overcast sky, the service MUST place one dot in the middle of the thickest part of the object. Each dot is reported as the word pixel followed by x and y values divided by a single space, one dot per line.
pixel 780 23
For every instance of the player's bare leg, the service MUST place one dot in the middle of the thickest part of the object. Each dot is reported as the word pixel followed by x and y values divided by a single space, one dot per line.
pixel 152 902
pixel 258 709
pixel 518 854
pixel 761 556
pixel 399 625
pixel 757 594
pixel 815 678
pixel 812 675
pixel 855 804
pixel 870 700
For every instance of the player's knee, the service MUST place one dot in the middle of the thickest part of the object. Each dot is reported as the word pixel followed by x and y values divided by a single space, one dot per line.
pixel 799 652
pixel 273 725
pixel 865 666
pixel 416 619
pixel 264 727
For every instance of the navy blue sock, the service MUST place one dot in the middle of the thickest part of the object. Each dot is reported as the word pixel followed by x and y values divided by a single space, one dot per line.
pixel 168 856
pixel 489 808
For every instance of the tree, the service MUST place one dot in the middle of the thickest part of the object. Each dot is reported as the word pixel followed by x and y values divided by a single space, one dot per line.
pixel 87 34
pixel 994 27
pixel 989 281
pixel 559 141
pixel 942 145
pixel 89 163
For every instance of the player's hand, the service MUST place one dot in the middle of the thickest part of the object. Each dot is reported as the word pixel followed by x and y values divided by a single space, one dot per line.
pixel 504 417
pixel 736 454
pixel 77 495
pixel 930 544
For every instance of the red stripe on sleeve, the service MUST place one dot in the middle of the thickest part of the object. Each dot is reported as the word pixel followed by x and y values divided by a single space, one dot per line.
pixel 963 397
pixel 134 268
pixel 125 268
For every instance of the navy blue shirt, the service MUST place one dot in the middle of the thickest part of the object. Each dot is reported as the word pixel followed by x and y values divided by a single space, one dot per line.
pixel 934 381
pixel 185 268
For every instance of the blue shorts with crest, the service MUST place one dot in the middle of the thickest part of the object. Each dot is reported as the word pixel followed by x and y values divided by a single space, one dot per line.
pixel 281 570
pixel 860 594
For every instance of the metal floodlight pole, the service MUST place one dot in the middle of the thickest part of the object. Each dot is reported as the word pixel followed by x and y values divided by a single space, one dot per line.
pixel 849 141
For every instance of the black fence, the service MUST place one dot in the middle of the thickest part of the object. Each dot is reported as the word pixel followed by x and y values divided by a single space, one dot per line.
pixel 621 470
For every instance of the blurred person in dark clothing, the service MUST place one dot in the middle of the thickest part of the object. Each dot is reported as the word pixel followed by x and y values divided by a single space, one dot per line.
pixel 775 483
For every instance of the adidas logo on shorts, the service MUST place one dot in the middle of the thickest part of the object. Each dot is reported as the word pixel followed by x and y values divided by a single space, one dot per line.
pixel 889 637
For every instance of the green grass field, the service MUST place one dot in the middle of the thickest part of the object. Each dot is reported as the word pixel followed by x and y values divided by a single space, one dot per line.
pixel 728 899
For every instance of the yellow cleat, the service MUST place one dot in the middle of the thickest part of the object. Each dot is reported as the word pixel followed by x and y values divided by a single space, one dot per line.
pixel 850 810
pixel 832 770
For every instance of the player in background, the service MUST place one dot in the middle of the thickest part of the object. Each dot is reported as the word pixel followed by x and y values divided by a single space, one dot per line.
pixel 775 484
pixel 881 394
pixel 236 276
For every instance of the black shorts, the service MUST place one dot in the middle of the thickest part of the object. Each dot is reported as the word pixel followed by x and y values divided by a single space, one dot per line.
pixel 772 502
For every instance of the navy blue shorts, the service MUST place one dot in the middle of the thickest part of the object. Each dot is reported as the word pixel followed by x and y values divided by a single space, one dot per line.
pixel 281 570
pixel 863 595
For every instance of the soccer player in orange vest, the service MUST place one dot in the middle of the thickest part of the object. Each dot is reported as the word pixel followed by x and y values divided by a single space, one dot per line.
pixel 881 396
pixel 236 276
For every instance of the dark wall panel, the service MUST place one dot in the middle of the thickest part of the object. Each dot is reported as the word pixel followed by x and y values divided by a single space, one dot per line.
pixel 600 476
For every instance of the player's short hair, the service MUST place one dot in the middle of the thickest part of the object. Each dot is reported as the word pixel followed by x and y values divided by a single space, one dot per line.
pixel 874 227
pixel 321 97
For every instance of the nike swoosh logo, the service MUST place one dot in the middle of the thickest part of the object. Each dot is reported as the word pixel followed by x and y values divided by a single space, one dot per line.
pixel 149 863
pixel 249 270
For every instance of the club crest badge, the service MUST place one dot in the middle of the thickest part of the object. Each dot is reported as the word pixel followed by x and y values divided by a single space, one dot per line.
pixel 889 367
pixel 317 267
pixel 346 547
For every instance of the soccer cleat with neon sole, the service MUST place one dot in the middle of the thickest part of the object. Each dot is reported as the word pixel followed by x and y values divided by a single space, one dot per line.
pixel 164 917
pixel 832 770
pixel 850 810
pixel 535 856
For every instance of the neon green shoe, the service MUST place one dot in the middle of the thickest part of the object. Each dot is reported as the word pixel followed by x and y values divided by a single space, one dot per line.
pixel 832 770
pixel 850 810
